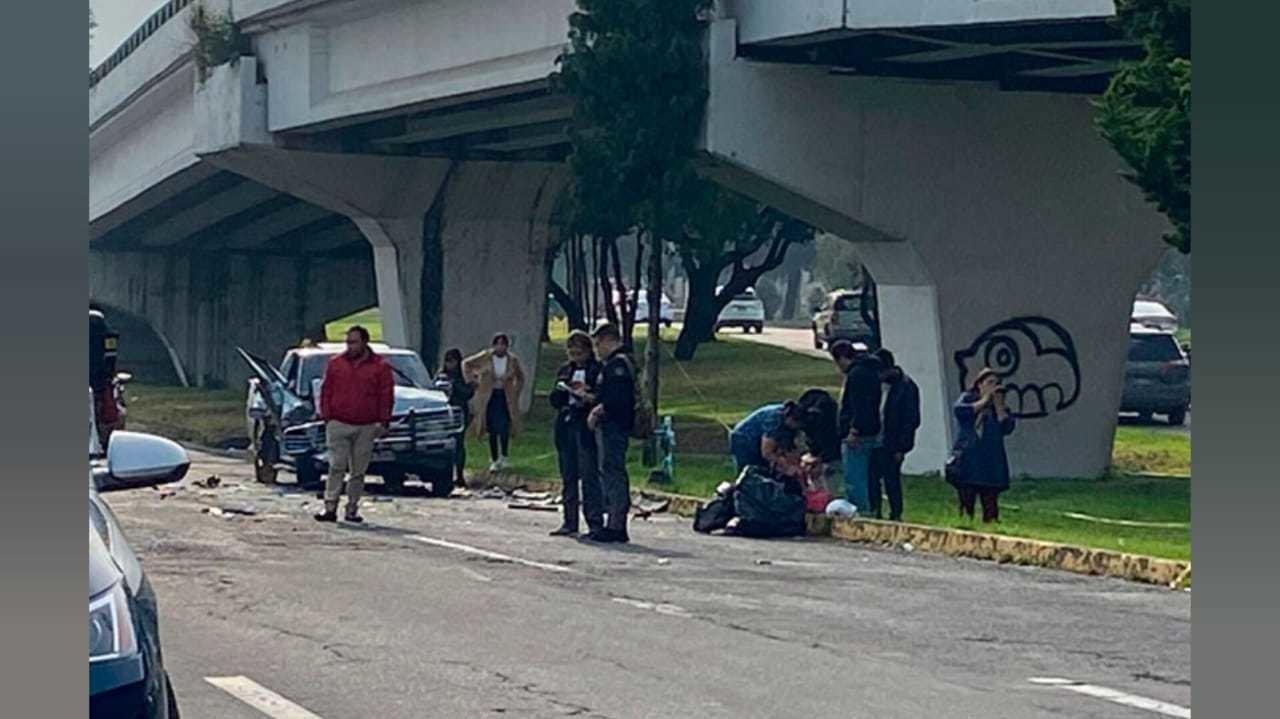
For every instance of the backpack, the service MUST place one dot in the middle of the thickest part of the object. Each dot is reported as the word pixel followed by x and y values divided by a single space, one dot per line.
pixel 765 508
pixel 714 514
pixel 645 419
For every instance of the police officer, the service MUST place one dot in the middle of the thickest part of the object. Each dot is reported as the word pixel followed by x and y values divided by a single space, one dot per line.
pixel 572 397
pixel 612 420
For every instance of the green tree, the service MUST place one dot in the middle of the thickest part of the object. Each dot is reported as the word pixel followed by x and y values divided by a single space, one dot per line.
pixel 634 69
pixel 1146 111
pixel 728 233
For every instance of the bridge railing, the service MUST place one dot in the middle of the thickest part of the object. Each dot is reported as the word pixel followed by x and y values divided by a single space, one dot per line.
pixel 139 36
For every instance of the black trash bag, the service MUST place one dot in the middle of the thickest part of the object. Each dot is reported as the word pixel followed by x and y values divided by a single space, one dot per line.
pixel 765 508
pixel 714 515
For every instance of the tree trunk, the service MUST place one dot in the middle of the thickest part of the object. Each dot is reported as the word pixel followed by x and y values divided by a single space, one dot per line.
pixel 573 312
pixel 606 285
pixel 700 313
pixel 869 306
pixel 625 311
pixel 791 302
pixel 653 348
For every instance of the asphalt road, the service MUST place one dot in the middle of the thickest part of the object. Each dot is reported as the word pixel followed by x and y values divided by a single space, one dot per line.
pixel 464 607
pixel 801 340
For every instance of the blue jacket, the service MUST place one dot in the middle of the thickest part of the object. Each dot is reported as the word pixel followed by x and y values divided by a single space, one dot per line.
pixel 983 459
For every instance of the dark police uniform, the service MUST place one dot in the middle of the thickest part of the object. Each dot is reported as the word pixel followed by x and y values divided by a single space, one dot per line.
pixel 617 395
pixel 576 448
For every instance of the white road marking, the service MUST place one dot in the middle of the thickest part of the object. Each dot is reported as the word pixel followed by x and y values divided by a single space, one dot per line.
pixel 260 698
pixel 492 555
pixel 475 575
pixel 1112 695
pixel 670 610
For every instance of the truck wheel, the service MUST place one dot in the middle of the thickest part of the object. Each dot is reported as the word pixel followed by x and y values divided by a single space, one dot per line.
pixel 308 474
pixel 263 453
pixel 441 480
pixel 1178 417
pixel 394 481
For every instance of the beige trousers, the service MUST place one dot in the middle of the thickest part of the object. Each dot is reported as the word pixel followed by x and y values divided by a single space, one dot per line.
pixel 350 447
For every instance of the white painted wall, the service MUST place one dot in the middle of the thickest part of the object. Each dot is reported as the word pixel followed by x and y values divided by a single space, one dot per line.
pixel 366 59
pixel 148 141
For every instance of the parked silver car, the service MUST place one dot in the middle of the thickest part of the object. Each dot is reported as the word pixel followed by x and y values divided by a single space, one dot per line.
pixel 745 311
pixel 839 317
pixel 1157 378
pixel 283 427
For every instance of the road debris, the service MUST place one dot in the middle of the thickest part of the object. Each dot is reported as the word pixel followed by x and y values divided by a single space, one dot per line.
pixel 534 506
pixel 493 493
pixel 663 561
pixel 531 496
pixel 908 547
pixel 210 482
pixel 231 511
pixel 649 505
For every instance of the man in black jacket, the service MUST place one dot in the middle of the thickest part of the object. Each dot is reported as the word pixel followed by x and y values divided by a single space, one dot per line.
pixel 859 420
pixel 612 419
pixel 901 418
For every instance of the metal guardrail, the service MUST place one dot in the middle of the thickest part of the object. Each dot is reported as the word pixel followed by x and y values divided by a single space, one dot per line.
pixel 139 36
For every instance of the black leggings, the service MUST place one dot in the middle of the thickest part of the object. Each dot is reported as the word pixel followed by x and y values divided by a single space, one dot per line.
pixel 460 448
pixel 990 501
pixel 497 419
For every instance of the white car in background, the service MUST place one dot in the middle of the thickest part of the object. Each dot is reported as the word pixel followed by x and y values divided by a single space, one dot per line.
pixel 666 313
pixel 1150 313
pixel 745 310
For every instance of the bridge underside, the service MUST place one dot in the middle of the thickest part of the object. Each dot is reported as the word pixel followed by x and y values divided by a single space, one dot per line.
pixel 1076 56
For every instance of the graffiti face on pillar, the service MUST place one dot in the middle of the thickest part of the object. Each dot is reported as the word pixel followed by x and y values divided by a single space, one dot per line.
pixel 1035 359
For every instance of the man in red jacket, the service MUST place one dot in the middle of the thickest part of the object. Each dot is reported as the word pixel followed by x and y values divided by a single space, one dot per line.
pixel 356 399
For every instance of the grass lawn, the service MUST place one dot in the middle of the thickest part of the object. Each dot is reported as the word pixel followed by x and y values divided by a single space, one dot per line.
pixel 1142 450
pixel 730 378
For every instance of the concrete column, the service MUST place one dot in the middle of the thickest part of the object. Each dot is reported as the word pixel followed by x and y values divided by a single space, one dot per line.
pixel 387 198
pixel 996 223
pixel 494 225
pixel 202 306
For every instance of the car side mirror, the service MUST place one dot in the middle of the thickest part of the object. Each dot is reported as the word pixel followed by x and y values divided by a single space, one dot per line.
pixel 141 460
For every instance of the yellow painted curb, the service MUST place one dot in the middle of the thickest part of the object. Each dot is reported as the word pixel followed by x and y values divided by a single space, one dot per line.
pixel 1007 550
pixel 939 540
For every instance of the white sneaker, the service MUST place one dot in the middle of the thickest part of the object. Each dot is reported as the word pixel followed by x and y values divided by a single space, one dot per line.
pixel 494 466
pixel 504 463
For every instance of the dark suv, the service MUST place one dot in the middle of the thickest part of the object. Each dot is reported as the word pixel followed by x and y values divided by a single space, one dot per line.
pixel 1157 378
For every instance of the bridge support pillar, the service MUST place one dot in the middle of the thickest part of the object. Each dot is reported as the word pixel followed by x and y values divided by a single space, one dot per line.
pixel 202 306
pixel 996 224
pixel 458 247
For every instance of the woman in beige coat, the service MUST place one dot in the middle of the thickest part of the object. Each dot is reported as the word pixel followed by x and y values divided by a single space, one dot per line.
pixel 500 379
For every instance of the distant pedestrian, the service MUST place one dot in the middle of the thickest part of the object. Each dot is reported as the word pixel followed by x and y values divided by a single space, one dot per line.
pixel 356 400
pixel 982 423
pixel 574 395
pixel 460 390
pixel 500 379
pixel 767 438
pixel 612 420
pixel 900 418
pixel 859 421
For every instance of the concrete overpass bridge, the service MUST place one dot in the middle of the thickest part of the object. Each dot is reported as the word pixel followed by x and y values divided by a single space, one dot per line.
pixel 410 154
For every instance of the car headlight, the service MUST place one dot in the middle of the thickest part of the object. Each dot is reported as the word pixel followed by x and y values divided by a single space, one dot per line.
pixel 111 625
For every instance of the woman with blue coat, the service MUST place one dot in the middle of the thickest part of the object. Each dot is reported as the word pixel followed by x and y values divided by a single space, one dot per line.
pixel 982 423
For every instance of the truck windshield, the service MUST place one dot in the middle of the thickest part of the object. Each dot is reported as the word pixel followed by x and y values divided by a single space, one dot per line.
pixel 410 372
